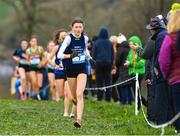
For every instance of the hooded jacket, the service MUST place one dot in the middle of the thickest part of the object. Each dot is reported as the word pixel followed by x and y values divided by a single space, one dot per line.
pixel 102 50
pixel 158 37
pixel 137 64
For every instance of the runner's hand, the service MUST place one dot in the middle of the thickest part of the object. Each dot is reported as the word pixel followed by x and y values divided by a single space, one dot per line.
pixel 58 66
pixel 74 54
pixel 92 62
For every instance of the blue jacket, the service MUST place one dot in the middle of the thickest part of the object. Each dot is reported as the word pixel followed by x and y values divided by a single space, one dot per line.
pixel 158 37
pixel 102 50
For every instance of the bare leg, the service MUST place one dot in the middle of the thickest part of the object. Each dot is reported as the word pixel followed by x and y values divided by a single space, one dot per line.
pixel 81 83
pixel 23 82
pixel 34 82
pixel 51 78
pixel 59 88
pixel 28 82
pixel 40 79
pixel 72 86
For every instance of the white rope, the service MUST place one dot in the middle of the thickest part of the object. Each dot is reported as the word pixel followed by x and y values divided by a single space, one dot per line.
pixel 162 126
pixel 110 86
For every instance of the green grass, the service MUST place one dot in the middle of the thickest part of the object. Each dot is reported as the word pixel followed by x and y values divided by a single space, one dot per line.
pixel 45 118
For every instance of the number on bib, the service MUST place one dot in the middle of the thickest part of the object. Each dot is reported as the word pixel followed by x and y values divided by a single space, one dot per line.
pixel 79 59
pixel 35 61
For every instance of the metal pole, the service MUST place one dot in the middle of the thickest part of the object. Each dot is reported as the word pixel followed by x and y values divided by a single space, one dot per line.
pixel 136 95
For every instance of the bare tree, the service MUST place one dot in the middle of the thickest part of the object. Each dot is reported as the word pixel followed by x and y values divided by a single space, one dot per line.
pixel 26 13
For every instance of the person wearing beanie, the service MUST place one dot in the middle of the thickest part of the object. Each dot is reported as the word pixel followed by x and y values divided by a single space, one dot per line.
pixel 124 90
pixel 114 71
pixel 169 60
pixel 121 38
pixel 174 6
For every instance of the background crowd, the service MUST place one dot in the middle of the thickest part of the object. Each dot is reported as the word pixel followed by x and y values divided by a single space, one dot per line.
pixel 118 58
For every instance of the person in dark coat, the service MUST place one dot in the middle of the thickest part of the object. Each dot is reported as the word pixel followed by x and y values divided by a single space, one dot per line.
pixel 103 54
pixel 122 53
pixel 159 86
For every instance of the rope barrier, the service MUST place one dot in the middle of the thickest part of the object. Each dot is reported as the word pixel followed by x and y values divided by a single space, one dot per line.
pixel 110 86
pixel 162 126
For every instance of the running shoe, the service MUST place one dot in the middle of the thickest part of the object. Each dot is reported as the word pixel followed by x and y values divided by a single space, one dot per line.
pixel 66 115
pixel 72 115
pixel 77 123
pixel 38 97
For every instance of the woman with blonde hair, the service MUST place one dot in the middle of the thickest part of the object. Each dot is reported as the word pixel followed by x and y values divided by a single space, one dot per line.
pixel 169 60
pixel 114 71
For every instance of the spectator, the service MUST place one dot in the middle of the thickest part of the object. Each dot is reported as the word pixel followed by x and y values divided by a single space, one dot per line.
pixel 161 88
pixel 103 54
pixel 169 59
pixel 122 53
pixel 114 72
pixel 135 64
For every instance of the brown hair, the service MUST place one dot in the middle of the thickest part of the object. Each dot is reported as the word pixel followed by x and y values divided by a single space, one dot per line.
pixel 48 45
pixel 77 20
pixel 33 36
pixel 56 35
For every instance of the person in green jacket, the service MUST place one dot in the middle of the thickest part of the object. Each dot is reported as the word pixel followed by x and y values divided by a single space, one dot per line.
pixel 135 64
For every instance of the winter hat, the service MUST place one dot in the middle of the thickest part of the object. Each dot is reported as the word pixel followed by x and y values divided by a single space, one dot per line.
pixel 174 7
pixel 135 40
pixel 121 38
pixel 156 22
pixel 113 39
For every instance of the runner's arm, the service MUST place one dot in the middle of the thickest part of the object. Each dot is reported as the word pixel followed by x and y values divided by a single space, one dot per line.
pixel 88 56
pixel 64 45
pixel 52 54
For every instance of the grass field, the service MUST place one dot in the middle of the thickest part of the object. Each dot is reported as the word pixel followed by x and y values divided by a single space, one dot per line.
pixel 45 118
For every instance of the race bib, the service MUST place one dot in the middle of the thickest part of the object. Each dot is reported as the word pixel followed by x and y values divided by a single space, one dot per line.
pixel 50 66
pixel 23 61
pixel 79 59
pixel 35 61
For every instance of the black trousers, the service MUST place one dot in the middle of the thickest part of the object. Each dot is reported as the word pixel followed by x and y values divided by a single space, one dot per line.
pixel 163 102
pixel 151 102
pixel 115 92
pixel 175 89
pixel 103 78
